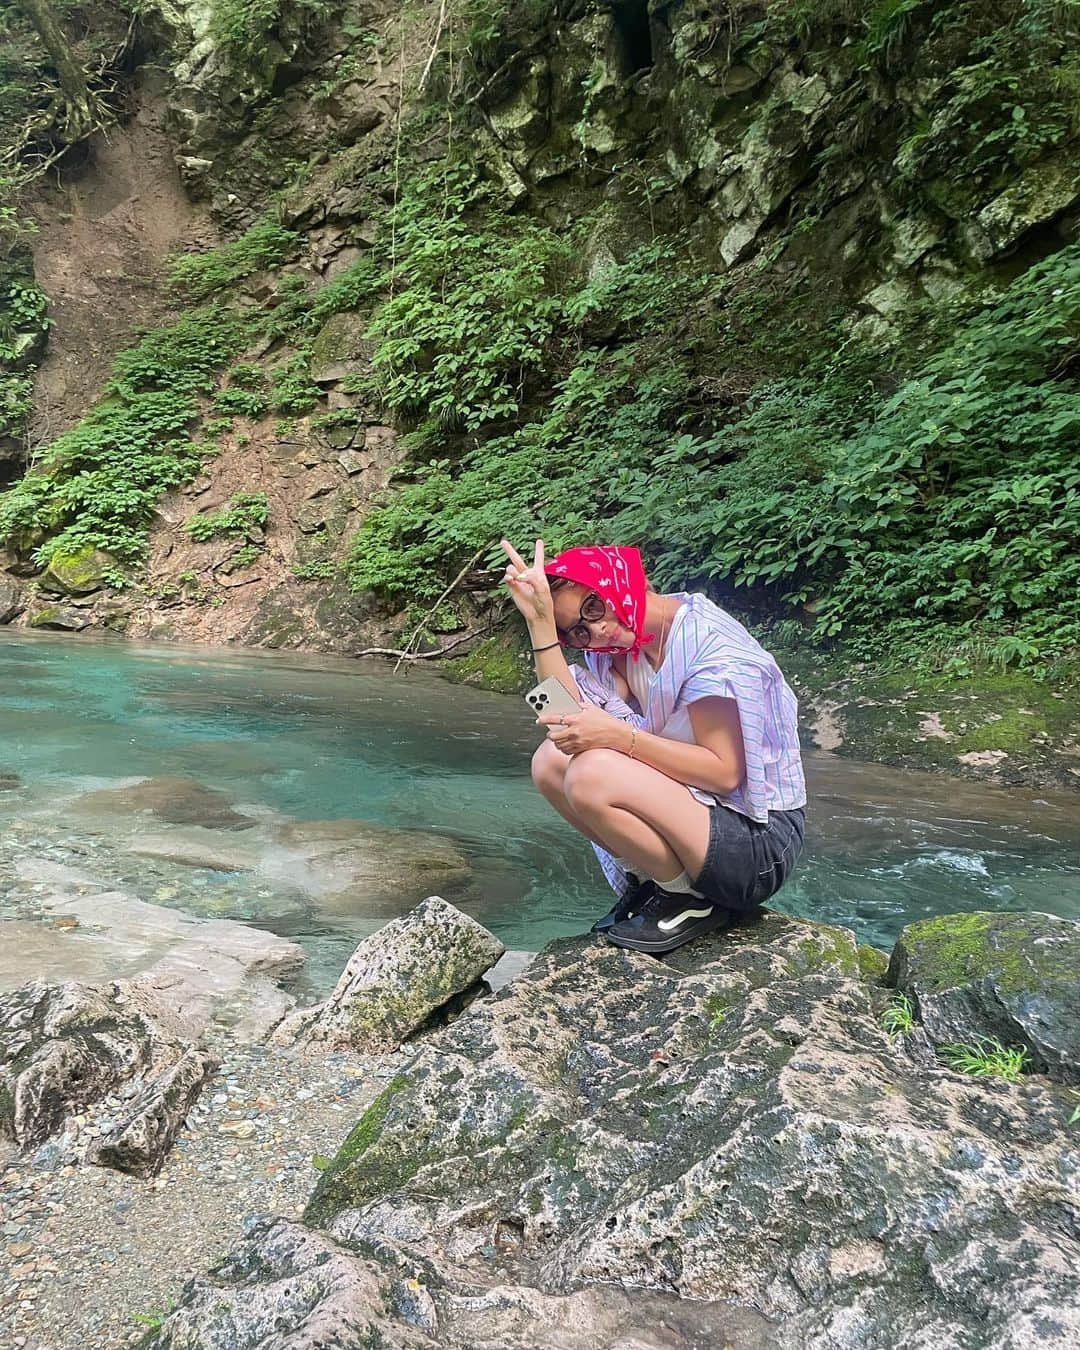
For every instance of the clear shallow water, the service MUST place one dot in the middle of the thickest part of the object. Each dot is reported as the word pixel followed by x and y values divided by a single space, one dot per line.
pixel 315 738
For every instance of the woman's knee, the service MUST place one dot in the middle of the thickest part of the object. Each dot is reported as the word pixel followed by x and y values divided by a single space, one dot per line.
pixel 548 768
pixel 592 777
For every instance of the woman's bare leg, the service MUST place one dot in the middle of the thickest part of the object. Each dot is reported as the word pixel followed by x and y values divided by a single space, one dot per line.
pixel 549 767
pixel 639 813
pixel 633 811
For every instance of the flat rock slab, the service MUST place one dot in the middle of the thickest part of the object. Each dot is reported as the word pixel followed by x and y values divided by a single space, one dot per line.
pixel 1014 977
pixel 192 971
pixel 397 978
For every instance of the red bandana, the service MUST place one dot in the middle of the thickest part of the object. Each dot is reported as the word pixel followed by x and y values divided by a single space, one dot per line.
pixel 617 576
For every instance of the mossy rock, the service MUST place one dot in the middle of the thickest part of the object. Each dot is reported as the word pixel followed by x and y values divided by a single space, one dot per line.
pixel 78 573
pixel 56 616
pixel 873 964
pixel 1015 977
pixel 498 663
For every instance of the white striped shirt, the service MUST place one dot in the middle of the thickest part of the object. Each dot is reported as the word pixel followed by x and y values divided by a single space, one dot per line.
pixel 710 654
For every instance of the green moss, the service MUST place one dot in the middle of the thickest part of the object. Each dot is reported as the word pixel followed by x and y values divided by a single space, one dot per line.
pixel 43 617
pixel 368 1128
pixel 872 964
pixel 957 949
pixel 827 948
pixel 498 663
pixel 716 1008
pixel 361 1168
pixel 78 572
pixel 922 719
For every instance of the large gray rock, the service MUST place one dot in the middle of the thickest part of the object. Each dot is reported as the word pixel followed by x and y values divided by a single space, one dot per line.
pixel 62 1047
pixel 731 1125
pixel 397 978
pixel 288 1288
pixel 70 1049
pixel 1015 977
pixel 11 601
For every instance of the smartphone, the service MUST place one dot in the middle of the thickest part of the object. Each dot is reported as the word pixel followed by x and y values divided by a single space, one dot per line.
pixel 552 696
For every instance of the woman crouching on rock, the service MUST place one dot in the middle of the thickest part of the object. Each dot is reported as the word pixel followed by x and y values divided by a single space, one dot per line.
pixel 683 766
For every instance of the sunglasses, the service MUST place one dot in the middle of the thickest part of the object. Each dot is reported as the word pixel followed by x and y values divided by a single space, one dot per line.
pixel 593 609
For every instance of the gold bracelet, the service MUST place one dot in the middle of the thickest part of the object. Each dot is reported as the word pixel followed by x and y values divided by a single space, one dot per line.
pixel 633 741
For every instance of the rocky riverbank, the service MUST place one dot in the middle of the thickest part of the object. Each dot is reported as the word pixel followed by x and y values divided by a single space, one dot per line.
pixel 767 1139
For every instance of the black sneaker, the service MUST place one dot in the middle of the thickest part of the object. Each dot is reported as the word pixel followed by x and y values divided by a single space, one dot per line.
pixel 627 904
pixel 666 920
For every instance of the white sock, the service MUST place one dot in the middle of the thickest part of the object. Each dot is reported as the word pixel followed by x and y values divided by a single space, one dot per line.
pixel 631 869
pixel 679 885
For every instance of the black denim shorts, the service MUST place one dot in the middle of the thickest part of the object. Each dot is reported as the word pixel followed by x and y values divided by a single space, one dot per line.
pixel 746 861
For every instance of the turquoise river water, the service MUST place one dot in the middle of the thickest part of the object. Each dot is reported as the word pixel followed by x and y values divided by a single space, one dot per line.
pixel 306 738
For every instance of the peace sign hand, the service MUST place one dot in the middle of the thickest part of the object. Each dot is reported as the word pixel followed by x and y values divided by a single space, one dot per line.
pixel 529 587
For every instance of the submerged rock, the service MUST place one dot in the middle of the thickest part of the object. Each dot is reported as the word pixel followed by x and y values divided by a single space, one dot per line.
pixel 397 978
pixel 180 801
pixel 1014 977
pixel 731 1125
pixel 354 866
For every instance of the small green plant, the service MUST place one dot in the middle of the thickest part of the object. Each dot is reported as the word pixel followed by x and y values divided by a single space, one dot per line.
pixel 317 570
pixel 156 1317
pixel 899 1017
pixel 246 402
pixel 1074 1093
pixel 247 511
pixel 195 276
pixel 99 483
pixel 245 556
pixel 320 1162
pixel 986 1057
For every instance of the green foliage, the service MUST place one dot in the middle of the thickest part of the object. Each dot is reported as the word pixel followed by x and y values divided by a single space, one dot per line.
pixel 605 412
pixel 247 29
pixel 899 1017
pixel 292 390
pixel 992 118
pixel 986 1057
pixel 24 323
pixel 953 502
pixel 319 569
pixel 195 276
pixel 246 402
pixel 99 483
pixel 245 556
pixel 156 1317
pixel 247 511
pixel 469 322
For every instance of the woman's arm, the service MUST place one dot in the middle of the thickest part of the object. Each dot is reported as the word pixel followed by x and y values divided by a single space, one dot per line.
pixel 531 592
pixel 716 763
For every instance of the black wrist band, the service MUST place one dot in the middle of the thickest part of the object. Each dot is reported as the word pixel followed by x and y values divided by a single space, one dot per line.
pixel 548 647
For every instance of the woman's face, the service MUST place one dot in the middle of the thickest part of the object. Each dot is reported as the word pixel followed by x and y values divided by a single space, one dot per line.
pixel 607 631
